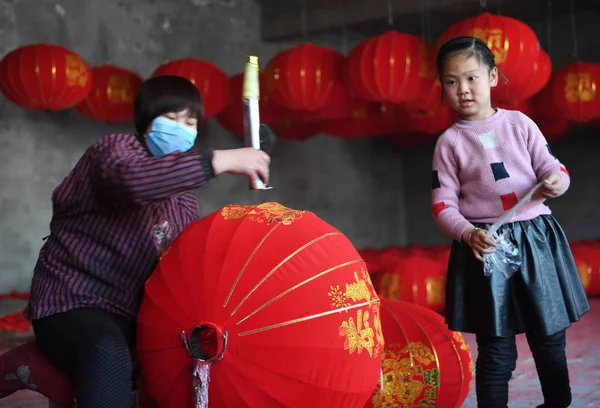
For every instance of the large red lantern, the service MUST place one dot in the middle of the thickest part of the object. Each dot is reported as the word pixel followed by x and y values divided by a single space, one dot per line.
pixel 514 44
pixel 302 77
pixel 424 364
pixel 232 117
pixel 390 67
pixel 275 302
pixel 575 91
pixel 210 80
pixel 414 278
pixel 112 95
pixel 44 77
pixel 529 82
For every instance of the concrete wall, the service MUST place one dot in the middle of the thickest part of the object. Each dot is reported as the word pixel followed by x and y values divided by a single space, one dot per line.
pixel 375 194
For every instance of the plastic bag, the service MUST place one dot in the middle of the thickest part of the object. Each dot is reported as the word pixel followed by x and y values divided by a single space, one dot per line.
pixel 506 258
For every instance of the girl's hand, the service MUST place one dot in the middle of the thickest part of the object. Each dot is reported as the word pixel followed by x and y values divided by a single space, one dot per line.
pixel 479 242
pixel 552 186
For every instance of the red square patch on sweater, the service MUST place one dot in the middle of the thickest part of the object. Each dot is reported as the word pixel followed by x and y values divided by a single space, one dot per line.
pixel 437 208
pixel 564 170
pixel 509 201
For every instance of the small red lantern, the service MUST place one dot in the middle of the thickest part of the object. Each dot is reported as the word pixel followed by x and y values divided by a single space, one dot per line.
pixel 112 95
pixel 514 44
pixel 424 363
pixel 210 80
pixel 44 77
pixel 302 78
pixel 390 67
pixel 575 90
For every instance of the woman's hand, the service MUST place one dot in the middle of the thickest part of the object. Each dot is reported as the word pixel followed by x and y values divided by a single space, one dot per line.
pixel 479 242
pixel 552 186
pixel 246 161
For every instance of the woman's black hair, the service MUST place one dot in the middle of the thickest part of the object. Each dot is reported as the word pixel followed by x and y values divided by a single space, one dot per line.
pixel 163 94
pixel 467 46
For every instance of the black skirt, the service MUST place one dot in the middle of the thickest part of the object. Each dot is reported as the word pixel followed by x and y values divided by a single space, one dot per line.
pixel 545 296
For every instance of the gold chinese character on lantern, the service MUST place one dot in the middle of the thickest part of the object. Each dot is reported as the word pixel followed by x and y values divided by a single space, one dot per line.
pixel 426 70
pixel 494 38
pixel 76 71
pixel 579 87
pixel 119 89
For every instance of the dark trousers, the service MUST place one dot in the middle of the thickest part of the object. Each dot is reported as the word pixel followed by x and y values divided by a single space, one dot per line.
pixel 93 346
pixel 497 359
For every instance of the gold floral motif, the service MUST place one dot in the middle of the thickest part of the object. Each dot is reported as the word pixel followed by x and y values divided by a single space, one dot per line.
pixel 76 71
pixel 119 89
pixel 579 87
pixel 494 38
pixel 338 297
pixel 264 213
pixel 460 340
pixel 436 290
pixel 407 382
pixel 359 335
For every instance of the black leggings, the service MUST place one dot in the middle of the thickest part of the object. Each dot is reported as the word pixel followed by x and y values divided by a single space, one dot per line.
pixel 497 359
pixel 93 346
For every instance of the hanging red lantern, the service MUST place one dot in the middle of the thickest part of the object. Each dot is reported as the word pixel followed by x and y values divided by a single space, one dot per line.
pixel 230 298
pixel 210 80
pixel 424 364
pixel 232 117
pixel 391 67
pixel 514 44
pixel 371 118
pixel 529 82
pixel 431 122
pixel 525 106
pixel 112 95
pixel 44 77
pixel 302 77
pixel 416 279
pixel 296 125
pixel 587 259
pixel 575 92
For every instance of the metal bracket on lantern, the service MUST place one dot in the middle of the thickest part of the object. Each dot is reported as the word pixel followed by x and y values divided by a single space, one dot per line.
pixel 202 363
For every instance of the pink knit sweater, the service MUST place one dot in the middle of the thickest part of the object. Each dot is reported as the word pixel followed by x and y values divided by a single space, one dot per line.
pixel 482 168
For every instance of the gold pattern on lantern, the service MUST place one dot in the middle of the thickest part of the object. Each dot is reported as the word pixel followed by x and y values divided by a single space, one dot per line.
pixel 338 297
pixel 436 290
pixel 359 290
pixel 264 213
pixel 579 87
pixel 358 335
pixel 460 340
pixel 585 274
pixel 76 71
pixel 119 89
pixel 426 69
pixel 494 38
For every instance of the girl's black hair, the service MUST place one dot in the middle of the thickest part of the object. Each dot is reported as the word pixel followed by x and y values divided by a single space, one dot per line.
pixel 467 46
pixel 163 94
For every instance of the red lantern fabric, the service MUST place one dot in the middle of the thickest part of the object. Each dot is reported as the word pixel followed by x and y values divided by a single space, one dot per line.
pixel 424 364
pixel 210 80
pixel 515 45
pixel 414 278
pixel 587 258
pixel 112 95
pixel 433 121
pixel 554 130
pixel 391 67
pixel 302 77
pixel 44 77
pixel 296 125
pixel 232 117
pixel 525 106
pixel 575 91
pixel 527 83
pixel 287 297
pixel 371 118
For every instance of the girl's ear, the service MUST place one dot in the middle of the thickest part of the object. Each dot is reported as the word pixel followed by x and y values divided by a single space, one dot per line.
pixel 494 77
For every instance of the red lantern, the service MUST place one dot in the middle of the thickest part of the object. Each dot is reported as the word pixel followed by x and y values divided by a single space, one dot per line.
pixel 424 364
pixel 432 122
pixel 302 78
pixel 575 90
pixel 416 279
pixel 525 106
pixel 371 118
pixel 210 80
pixel 232 117
pixel 587 259
pixel 554 130
pixel 529 82
pixel 44 77
pixel 514 44
pixel 112 95
pixel 296 125
pixel 390 67
pixel 268 299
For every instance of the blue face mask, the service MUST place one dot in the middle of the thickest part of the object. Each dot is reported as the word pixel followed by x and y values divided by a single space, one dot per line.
pixel 168 136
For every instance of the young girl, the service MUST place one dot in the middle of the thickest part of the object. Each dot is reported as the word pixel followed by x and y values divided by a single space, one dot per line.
pixel 482 166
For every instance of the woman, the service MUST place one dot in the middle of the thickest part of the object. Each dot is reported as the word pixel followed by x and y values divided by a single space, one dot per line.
pixel 89 279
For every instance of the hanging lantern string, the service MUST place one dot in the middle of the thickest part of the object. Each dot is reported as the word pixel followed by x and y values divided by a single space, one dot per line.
pixel 573 28
pixel 343 25
pixel 423 22
pixel 327 24
pixel 303 20
pixel 390 10
pixel 549 29
pixel 483 4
